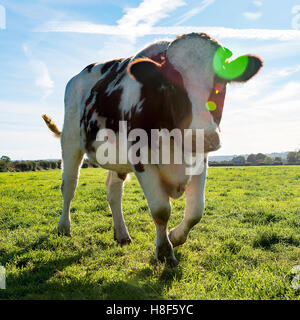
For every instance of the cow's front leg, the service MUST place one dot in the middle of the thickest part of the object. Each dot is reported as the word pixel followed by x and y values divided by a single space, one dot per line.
pixel 114 191
pixel 195 200
pixel 160 208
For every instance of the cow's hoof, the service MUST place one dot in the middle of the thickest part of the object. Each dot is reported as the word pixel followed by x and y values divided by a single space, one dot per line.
pixel 124 242
pixel 172 262
pixel 176 241
pixel 165 253
pixel 64 231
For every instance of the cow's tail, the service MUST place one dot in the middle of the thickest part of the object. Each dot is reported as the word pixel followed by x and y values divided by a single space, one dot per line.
pixel 52 126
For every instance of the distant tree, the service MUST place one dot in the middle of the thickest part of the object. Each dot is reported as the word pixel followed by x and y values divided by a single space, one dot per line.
pixel 260 158
pixel 5 159
pixel 251 158
pixel 53 164
pixel 268 160
pixel 44 164
pixel 3 166
pixel 292 157
pixel 278 161
pixel 33 165
pixel 239 160
pixel 22 166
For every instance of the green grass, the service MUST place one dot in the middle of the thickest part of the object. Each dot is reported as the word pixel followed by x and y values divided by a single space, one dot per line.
pixel 244 247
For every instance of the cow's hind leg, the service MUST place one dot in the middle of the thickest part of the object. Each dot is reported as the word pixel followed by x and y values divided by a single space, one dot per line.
pixel 114 190
pixel 72 159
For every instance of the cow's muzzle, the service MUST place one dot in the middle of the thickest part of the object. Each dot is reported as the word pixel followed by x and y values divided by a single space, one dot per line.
pixel 211 141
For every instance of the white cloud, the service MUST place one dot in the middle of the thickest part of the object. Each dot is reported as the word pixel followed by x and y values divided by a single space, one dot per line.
pixel 140 19
pixel 148 12
pixel 288 71
pixel 218 32
pixel 203 5
pixel 277 50
pixel 257 3
pixel 252 15
pixel 41 73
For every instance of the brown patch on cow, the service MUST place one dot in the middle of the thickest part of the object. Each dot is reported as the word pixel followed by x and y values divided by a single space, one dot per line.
pixel 91 134
pixel 107 65
pixel 139 167
pixel 162 216
pixel 164 101
pixel 160 222
pixel 90 67
pixel 123 65
pixel 122 176
pixel 217 95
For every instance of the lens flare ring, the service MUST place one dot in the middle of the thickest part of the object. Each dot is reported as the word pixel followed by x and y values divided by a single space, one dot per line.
pixel 211 106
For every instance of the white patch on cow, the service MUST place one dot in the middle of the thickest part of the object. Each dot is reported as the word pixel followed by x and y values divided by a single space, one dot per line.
pixel 192 57
pixel 131 89
pixel 131 94
pixel 153 49
pixel 112 86
pixel 139 108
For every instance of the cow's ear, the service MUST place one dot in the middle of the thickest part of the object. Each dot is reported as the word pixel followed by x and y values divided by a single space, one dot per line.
pixel 145 70
pixel 254 64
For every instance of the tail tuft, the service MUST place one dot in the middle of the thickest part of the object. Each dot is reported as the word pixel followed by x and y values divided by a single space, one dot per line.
pixel 52 126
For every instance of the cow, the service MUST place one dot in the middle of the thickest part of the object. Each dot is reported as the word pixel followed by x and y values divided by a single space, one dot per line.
pixel 166 85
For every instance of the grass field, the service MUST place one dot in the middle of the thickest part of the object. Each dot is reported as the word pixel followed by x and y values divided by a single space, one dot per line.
pixel 244 247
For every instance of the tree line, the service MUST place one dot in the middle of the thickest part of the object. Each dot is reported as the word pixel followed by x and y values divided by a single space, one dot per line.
pixel 293 158
pixel 7 165
pixel 261 159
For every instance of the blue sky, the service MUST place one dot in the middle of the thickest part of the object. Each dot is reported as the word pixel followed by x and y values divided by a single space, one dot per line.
pixel 46 42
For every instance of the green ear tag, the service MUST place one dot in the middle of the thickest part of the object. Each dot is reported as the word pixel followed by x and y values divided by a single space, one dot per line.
pixel 228 70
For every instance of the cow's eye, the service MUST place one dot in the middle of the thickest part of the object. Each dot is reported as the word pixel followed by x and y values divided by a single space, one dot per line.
pixel 218 89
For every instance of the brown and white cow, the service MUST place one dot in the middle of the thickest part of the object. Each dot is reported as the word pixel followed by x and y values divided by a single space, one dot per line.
pixel 166 85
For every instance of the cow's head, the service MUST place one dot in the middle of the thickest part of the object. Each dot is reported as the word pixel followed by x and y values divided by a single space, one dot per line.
pixel 199 66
